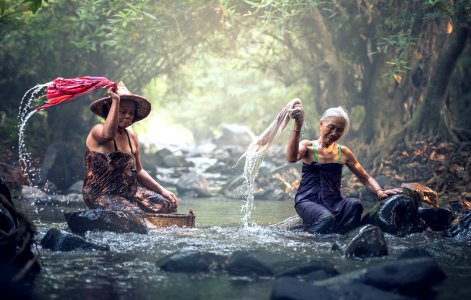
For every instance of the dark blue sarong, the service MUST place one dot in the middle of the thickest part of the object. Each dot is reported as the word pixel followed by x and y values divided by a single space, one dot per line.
pixel 319 202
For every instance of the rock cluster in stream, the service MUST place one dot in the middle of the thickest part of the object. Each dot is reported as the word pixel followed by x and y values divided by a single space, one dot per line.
pixel 403 278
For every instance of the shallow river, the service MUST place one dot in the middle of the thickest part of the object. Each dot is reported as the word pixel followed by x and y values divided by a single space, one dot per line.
pixel 129 271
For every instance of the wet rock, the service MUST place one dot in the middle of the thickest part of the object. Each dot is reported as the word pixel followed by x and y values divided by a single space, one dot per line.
pixel 291 223
pixel 397 214
pixel 59 240
pixel 76 188
pixel 219 167
pixel 230 155
pixel 289 288
pixel 104 220
pixel 160 156
pixel 58 167
pixel 35 196
pixel 191 261
pixel 170 159
pixel 18 264
pixel 369 242
pixel 258 263
pixel 358 291
pixel 438 219
pixel 462 230
pixel 233 134
pixel 312 270
pixel 12 177
pixel 413 276
pixel 235 188
pixel 31 194
pixel 177 161
pixel 414 253
pixel 5 191
pixel 420 193
pixel 193 185
pixel 223 156
pixel 335 247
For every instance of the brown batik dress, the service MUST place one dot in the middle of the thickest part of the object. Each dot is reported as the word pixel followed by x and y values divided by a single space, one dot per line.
pixel 111 183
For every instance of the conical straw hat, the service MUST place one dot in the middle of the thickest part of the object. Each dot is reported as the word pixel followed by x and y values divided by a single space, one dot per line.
pixel 143 106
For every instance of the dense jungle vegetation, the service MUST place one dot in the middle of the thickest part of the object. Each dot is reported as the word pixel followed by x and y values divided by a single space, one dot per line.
pixel 401 68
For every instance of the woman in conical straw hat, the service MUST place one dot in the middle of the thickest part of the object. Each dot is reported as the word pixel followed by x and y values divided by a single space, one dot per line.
pixel 114 177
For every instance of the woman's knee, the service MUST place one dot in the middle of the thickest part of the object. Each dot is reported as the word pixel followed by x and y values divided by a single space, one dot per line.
pixel 325 224
pixel 356 206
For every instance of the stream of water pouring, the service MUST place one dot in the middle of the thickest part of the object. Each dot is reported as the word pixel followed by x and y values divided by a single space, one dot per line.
pixel 255 154
pixel 25 112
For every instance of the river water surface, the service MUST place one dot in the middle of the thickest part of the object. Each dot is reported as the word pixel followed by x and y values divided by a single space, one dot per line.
pixel 129 270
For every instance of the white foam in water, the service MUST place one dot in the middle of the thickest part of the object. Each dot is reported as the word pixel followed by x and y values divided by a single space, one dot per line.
pixel 26 111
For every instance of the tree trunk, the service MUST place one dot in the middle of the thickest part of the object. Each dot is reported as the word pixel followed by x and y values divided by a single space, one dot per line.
pixel 334 83
pixel 429 121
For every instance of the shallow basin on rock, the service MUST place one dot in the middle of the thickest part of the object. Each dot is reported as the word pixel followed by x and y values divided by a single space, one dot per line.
pixel 167 220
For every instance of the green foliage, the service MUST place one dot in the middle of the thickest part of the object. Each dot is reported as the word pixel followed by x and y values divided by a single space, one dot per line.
pixel 215 91
pixel 145 38
pixel 122 40
pixel 11 7
pixel 209 62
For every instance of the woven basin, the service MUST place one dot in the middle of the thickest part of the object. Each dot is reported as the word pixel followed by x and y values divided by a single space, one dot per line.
pixel 167 220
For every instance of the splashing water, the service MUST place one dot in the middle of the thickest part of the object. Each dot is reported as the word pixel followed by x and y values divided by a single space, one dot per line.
pixel 255 154
pixel 26 111
pixel 252 164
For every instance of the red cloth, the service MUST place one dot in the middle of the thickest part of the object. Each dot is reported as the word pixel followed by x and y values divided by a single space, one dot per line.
pixel 61 90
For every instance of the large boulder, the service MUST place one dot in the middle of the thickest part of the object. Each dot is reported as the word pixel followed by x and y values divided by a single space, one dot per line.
pixel 438 219
pixel 421 193
pixel 193 185
pixel 104 220
pixel 292 223
pixel 258 263
pixel 369 242
pixel 76 188
pixel 59 240
pixel 462 229
pixel 18 264
pixel 32 194
pixel 171 159
pixel 292 289
pixel 233 134
pixel 407 276
pixel 312 270
pixel 12 176
pixel 397 214
pixel 191 261
pixel 58 167
pixel 414 253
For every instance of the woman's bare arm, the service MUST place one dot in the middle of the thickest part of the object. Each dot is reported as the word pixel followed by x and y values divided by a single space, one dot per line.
pixel 107 132
pixel 293 148
pixel 354 165
pixel 145 179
